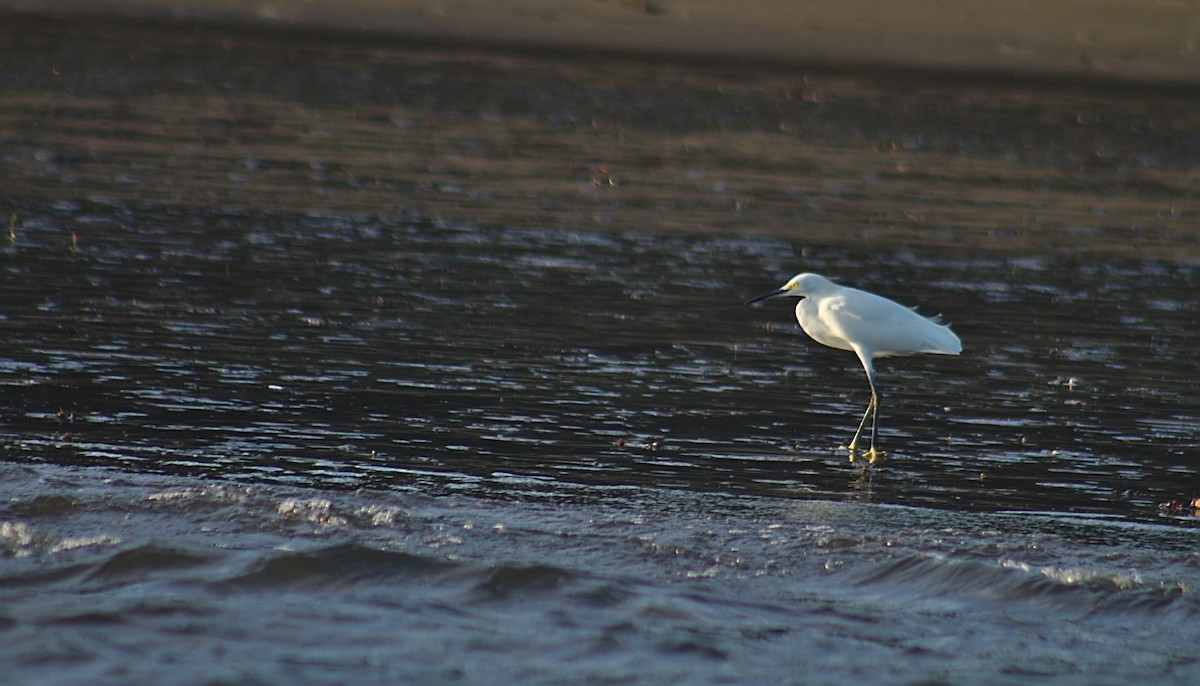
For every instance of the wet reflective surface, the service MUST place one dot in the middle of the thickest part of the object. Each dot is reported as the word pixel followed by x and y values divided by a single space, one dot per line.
pixel 322 354
pixel 215 581
pixel 368 352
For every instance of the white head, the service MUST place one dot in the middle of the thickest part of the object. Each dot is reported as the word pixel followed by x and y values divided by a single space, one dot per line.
pixel 799 286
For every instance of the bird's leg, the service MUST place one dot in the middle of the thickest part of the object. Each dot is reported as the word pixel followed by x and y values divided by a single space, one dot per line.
pixel 874 453
pixel 853 447
pixel 873 413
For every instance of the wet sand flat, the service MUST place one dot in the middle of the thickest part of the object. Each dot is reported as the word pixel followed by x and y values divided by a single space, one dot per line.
pixel 205 116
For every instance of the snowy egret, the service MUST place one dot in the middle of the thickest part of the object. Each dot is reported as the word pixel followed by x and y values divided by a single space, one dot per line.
pixel 870 325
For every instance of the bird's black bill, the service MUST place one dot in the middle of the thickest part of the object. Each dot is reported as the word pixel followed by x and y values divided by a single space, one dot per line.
pixel 765 296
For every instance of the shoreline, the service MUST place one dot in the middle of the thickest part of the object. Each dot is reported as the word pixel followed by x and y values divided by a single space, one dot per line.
pixel 1089 40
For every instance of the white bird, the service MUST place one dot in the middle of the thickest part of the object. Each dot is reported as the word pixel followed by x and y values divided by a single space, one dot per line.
pixel 870 325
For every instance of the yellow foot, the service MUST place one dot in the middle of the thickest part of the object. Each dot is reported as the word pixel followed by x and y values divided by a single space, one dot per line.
pixel 871 455
pixel 853 448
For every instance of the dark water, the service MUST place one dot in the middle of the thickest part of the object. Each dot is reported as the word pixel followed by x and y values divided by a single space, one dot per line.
pixel 332 361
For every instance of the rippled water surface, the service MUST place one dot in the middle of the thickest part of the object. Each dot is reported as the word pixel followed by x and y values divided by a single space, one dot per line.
pixel 331 361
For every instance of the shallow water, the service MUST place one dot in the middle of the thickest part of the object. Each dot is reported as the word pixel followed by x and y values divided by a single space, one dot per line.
pixel 216 582
pixel 329 361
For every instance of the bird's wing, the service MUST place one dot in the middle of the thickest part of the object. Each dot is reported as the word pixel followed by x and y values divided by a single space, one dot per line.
pixel 837 323
pixel 842 317
pixel 882 327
